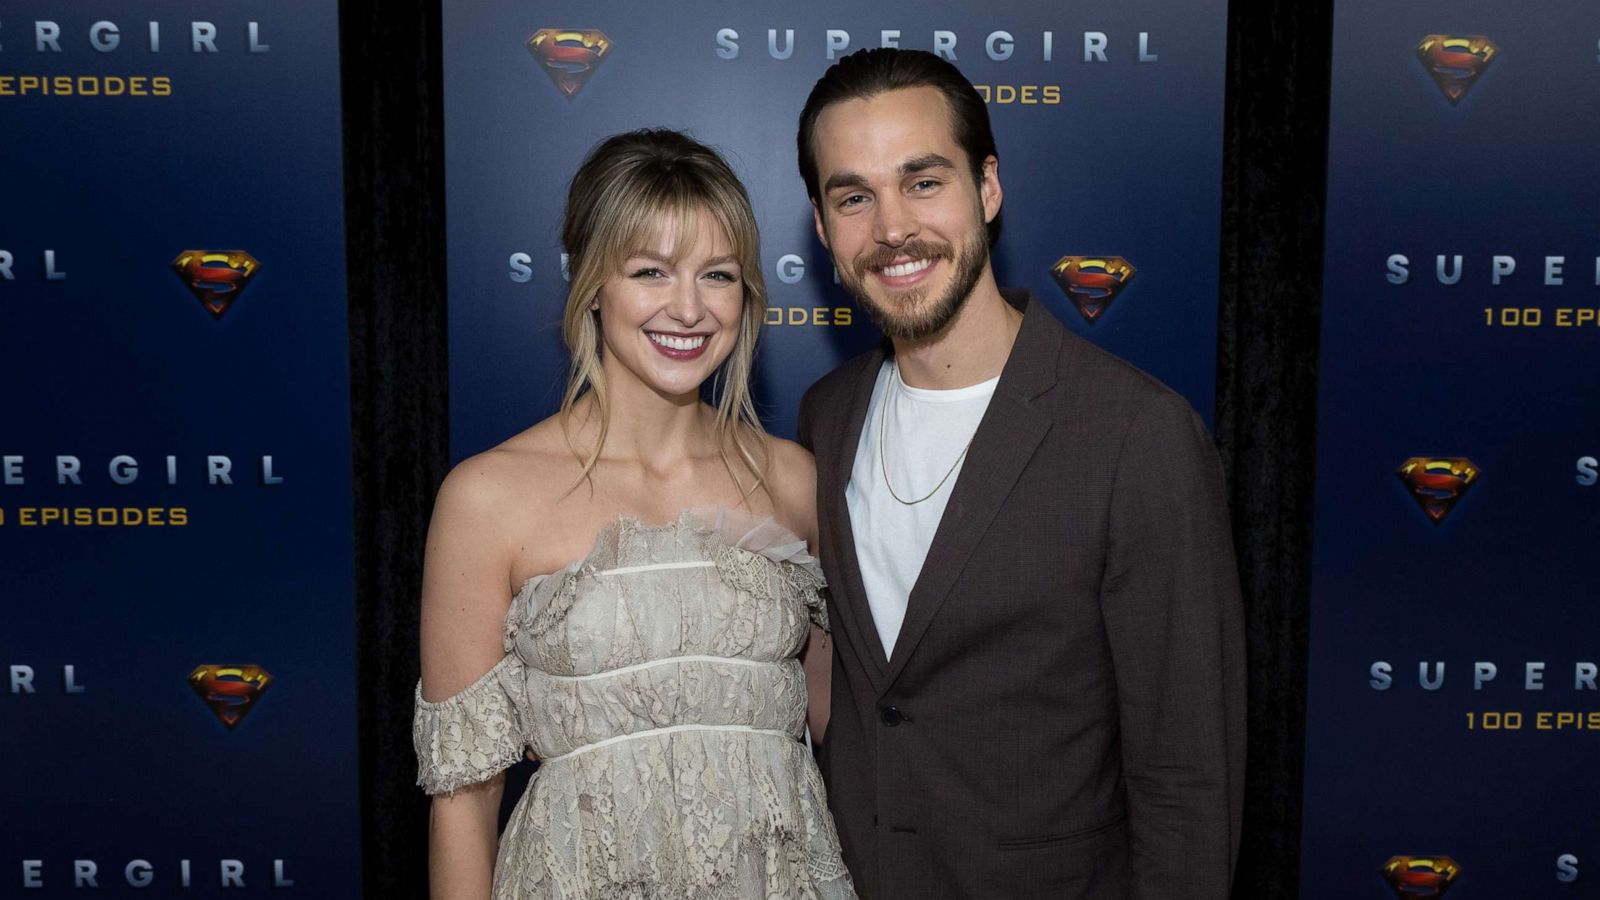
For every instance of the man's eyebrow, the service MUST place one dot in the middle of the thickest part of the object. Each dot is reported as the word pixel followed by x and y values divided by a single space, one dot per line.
pixel 914 164
pixel 924 162
pixel 843 179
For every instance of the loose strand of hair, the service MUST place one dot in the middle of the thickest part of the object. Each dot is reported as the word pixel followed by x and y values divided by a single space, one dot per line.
pixel 738 426
pixel 586 376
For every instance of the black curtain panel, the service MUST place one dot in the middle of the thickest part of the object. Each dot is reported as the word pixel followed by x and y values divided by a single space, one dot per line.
pixel 1274 185
pixel 394 213
pixel 1269 302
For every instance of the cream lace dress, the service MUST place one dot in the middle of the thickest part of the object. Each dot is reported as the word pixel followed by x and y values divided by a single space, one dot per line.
pixel 657 680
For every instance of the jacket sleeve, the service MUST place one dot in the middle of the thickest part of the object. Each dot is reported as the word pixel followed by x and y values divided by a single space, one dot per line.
pixel 1170 600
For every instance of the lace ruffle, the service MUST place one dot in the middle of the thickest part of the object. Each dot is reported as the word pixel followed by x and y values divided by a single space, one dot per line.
pixel 799 574
pixel 695 817
pixel 719 535
pixel 472 736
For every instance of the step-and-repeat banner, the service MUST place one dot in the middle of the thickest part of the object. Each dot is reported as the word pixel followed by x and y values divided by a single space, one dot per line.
pixel 176 641
pixel 1454 722
pixel 1108 116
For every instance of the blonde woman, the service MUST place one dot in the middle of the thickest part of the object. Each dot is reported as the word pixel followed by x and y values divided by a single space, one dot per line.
pixel 653 547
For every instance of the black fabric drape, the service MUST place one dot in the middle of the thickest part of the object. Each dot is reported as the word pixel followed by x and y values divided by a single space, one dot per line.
pixel 1274 185
pixel 1269 302
pixel 394 215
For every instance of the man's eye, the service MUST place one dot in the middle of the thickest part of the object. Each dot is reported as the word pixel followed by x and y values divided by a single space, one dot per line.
pixel 925 184
pixel 853 200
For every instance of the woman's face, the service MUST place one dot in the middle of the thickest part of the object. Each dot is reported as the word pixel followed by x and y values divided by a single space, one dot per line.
pixel 669 323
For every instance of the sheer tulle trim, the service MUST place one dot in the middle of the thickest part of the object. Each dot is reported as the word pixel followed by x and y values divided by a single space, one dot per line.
pixel 714 532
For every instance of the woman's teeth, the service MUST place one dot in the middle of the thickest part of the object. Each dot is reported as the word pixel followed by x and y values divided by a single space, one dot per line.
pixel 673 342
pixel 903 269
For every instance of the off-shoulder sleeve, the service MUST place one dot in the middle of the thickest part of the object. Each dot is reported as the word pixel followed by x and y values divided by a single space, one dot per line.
pixel 802 578
pixel 801 573
pixel 471 736
pixel 817 607
pixel 797 573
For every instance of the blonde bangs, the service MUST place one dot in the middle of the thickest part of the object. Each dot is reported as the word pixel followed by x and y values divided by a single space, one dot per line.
pixel 642 222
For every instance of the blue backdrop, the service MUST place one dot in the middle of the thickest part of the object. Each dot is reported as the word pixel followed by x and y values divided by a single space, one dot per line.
pixel 1108 117
pixel 126 144
pixel 1467 131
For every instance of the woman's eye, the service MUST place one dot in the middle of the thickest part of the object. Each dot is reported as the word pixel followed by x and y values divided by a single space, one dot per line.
pixel 728 277
pixel 649 273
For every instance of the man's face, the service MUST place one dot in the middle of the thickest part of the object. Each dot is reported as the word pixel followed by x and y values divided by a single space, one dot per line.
pixel 899 209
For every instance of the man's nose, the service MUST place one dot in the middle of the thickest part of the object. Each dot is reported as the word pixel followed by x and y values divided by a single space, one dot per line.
pixel 893 223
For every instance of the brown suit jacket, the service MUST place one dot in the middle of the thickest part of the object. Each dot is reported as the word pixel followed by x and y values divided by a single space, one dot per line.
pixel 1063 715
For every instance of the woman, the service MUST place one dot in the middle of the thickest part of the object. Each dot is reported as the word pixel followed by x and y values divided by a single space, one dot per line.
pixel 654 550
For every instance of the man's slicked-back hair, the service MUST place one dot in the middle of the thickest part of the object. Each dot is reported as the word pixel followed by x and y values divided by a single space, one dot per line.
pixel 865 74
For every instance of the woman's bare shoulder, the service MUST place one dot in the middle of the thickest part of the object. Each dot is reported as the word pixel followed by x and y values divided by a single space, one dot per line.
pixel 505 486
pixel 792 483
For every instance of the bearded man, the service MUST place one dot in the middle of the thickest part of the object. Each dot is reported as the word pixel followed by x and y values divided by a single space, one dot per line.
pixel 1038 681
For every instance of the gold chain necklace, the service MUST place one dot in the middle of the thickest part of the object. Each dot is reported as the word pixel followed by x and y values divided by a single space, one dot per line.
pixel 883 459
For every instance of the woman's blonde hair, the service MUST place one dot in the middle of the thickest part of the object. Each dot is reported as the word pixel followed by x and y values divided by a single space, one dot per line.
pixel 627 188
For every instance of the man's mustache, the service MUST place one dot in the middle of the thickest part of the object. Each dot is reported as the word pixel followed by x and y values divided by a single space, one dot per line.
pixel 914 249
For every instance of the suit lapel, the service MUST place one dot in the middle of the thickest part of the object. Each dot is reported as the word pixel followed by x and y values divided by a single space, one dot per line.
pixel 1006 439
pixel 851 596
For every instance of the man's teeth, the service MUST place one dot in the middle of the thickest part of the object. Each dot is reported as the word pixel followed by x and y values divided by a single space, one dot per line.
pixel 673 342
pixel 910 268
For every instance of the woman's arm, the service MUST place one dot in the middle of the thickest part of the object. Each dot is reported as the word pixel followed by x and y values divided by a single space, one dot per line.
pixel 817 660
pixel 463 841
pixel 464 603
pixel 794 496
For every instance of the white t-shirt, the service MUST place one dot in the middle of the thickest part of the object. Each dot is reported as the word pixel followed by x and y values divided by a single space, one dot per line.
pixel 918 434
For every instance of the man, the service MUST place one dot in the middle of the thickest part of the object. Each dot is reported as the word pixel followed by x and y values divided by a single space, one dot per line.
pixel 1038 687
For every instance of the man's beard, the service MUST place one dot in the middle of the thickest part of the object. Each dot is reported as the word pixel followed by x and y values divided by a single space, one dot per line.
pixel 910 316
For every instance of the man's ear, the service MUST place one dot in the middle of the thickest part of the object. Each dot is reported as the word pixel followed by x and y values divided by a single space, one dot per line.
pixel 990 190
pixel 822 232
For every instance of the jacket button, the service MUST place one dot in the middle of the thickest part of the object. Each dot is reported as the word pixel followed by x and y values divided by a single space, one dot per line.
pixel 890 716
